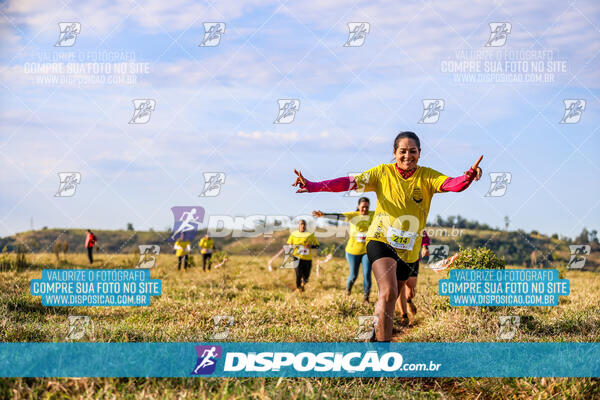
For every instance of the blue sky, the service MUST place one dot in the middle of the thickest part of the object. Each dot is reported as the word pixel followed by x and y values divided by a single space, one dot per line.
pixel 215 108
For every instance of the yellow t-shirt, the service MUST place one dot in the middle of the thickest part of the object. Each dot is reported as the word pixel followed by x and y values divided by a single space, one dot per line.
pixel 206 245
pixel 402 206
pixel 359 225
pixel 303 241
pixel 181 247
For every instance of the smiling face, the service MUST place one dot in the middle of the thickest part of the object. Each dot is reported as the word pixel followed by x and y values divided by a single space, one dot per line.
pixel 407 154
pixel 363 207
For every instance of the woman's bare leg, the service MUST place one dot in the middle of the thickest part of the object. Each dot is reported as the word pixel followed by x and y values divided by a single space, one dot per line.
pixel 402 296
pixel 384 270
pixel 411 286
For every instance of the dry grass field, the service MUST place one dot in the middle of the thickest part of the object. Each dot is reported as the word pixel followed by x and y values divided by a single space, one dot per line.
pixel 266 308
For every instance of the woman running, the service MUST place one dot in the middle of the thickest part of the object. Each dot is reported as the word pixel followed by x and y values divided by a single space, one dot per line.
pixel 182 250
pixel 356 248
pixel 303 242
pixel 207 246
pixel 404 192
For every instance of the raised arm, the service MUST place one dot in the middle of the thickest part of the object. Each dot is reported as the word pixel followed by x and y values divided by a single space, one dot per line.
pixel 462 182
pixel 319 214
pixel 342 184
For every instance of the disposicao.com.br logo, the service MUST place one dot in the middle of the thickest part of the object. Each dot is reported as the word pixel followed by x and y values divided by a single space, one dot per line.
pixel 288 363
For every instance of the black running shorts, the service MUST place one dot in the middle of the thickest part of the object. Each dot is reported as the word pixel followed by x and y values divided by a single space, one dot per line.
pixel 404 270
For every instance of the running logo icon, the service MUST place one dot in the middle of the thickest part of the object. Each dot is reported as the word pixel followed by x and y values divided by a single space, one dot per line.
pixel 68 33
pixel 287 110
pixel 148 255
pixel 438 252
pixel 360 184
pixel 78 327
pixel 358 32
pixel 212 34
pixel 222 324
pixel 579 254
pixel 355 192
pixel 207 359
pixel 68 183
pixel 431 111
pixel 498 34
pixel 212 184
pixel 499 184
pixel 142 109
pixel 573 110
pixel 186 222
pixel 289 261
pixel 508 327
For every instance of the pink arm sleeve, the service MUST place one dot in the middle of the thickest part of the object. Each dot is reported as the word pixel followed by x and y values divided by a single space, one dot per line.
pixel 425 241
pixel 334 185
pixel 459 183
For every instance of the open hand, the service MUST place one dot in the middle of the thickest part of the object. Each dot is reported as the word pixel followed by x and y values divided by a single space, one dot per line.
pixel 317 213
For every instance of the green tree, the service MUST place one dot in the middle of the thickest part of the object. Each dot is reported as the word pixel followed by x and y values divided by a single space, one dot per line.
pixel 584 237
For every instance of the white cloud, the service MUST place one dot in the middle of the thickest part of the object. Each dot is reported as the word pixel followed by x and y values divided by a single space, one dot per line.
pixel 269 136
pixel 102 16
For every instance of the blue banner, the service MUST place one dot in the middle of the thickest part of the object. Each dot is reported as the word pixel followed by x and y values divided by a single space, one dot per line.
pixel 226 359
pixel 504 287
pixel 95 287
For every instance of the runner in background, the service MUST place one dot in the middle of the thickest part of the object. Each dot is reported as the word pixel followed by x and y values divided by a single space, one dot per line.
pixel 406 295
pixel 207 246
pixel 303 243
pixel 90 242
pixel 404 192
pixel 182 250
pixel 356 248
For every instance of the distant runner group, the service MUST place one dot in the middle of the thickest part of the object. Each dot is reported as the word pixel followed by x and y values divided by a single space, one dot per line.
pixel 183 248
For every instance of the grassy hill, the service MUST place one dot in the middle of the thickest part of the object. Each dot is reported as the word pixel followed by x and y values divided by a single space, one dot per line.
pixel 515 246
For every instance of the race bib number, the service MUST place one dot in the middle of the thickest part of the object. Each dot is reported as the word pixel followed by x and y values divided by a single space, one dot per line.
pixel 399 239
pixel 303 251
pixel 361 237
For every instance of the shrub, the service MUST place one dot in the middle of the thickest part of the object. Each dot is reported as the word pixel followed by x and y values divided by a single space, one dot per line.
pixel 219 256
pixel 478 258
